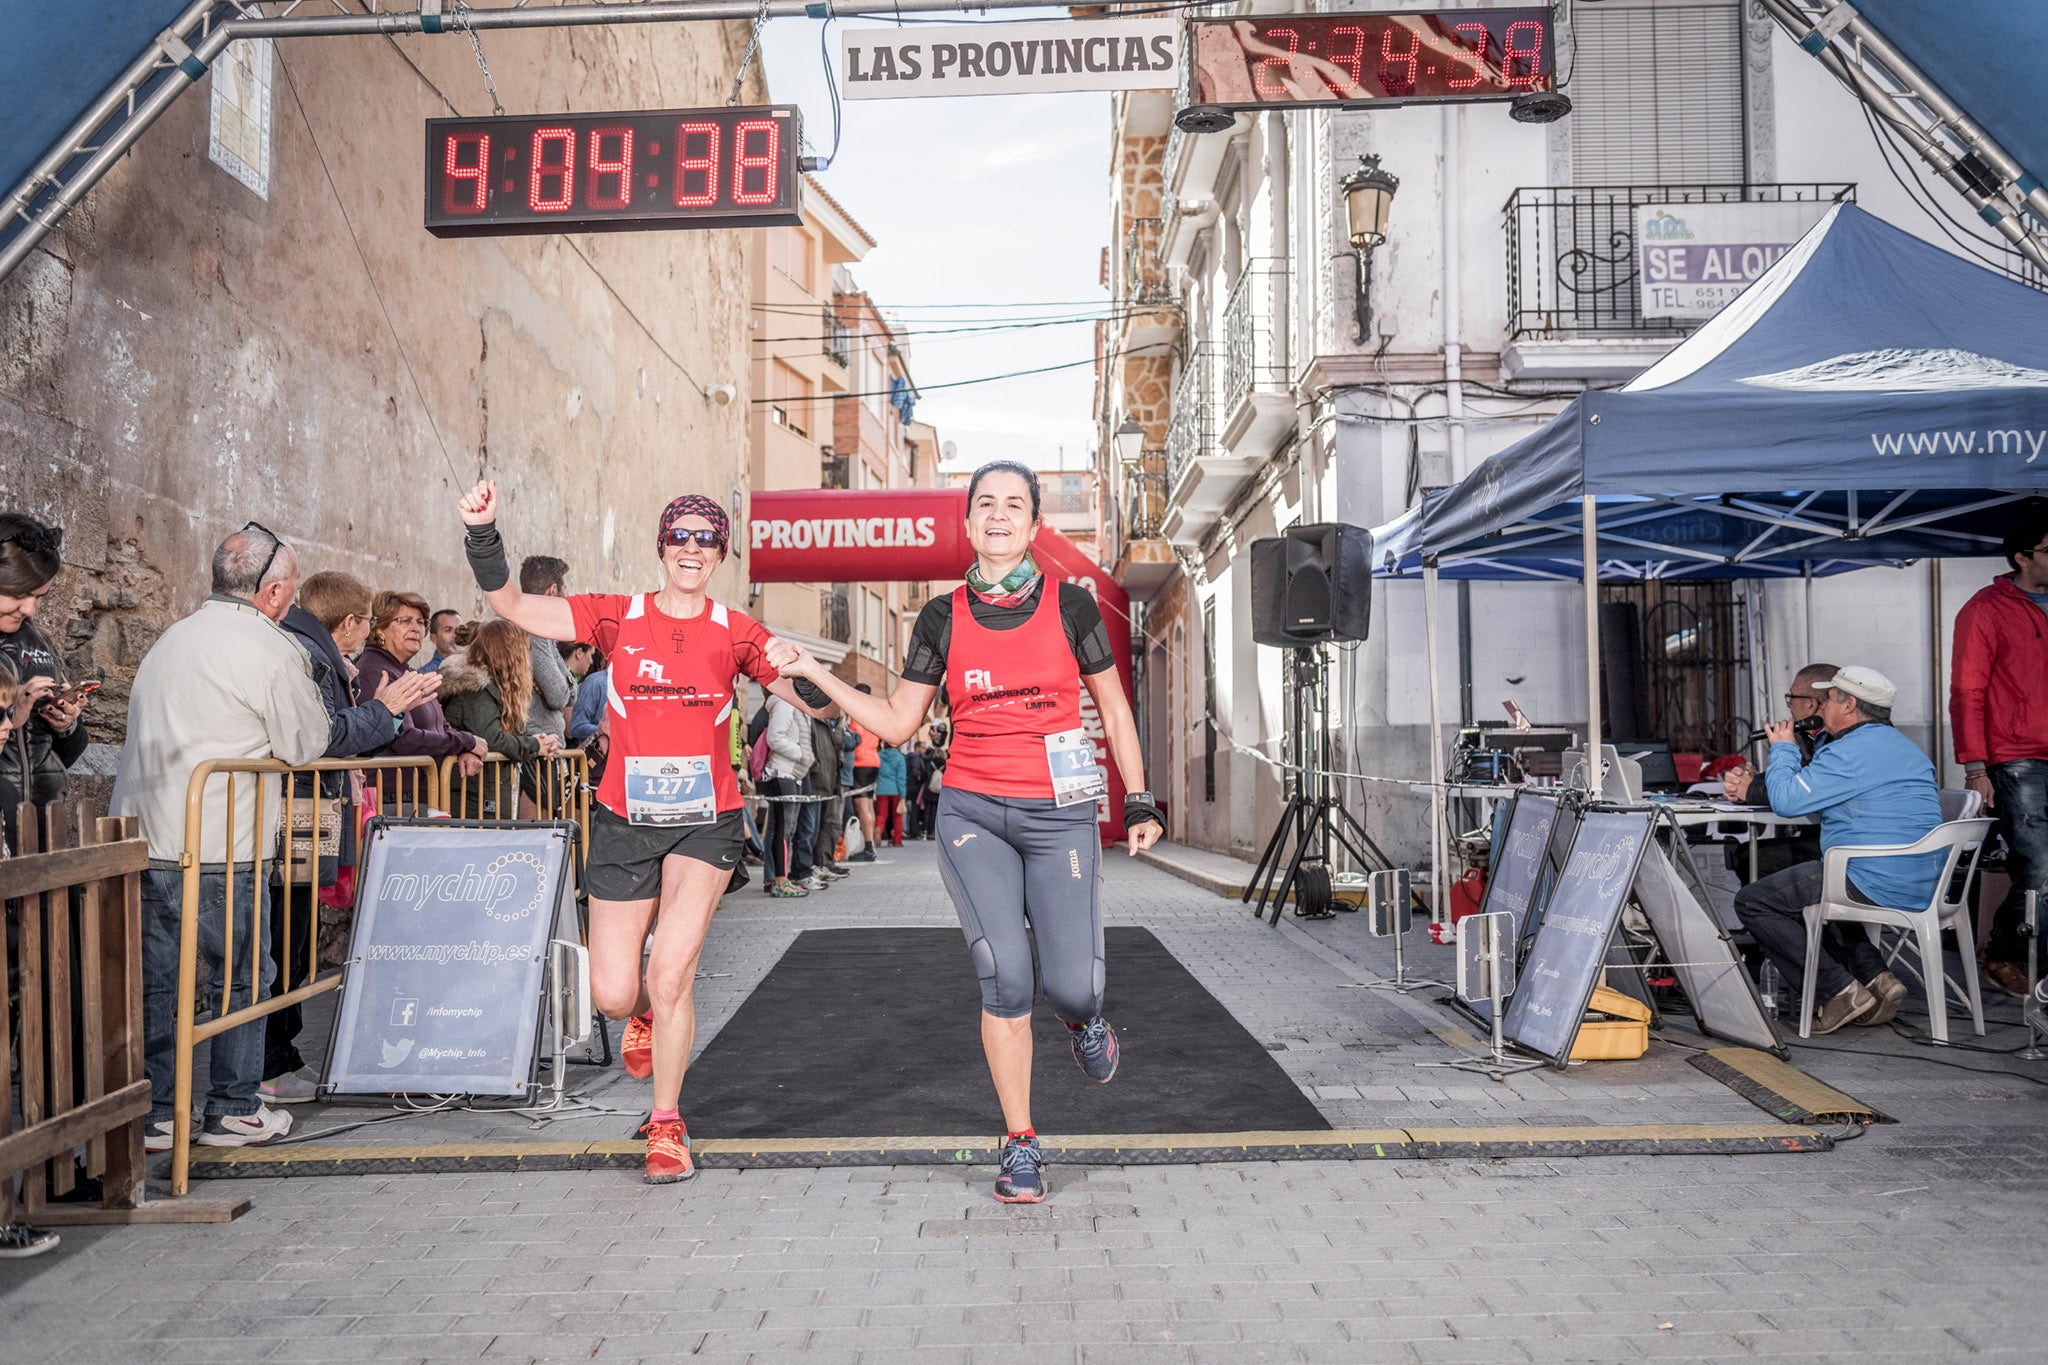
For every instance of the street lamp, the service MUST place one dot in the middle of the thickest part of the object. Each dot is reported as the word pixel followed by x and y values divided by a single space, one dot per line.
pixel 1129 440
pixel 1368 195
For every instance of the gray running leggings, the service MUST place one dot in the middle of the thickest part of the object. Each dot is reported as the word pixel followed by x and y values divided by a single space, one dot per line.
pixel 1012 863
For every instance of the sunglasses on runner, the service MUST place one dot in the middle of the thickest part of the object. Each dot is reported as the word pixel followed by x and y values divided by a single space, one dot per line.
pixel 708 538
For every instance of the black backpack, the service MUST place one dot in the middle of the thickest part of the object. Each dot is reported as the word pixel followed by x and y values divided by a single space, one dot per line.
pixel 758 726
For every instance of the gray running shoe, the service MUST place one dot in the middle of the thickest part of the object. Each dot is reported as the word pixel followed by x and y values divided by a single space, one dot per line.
pixel 1095 1049
pixel 294 1087
pixel 1019 1181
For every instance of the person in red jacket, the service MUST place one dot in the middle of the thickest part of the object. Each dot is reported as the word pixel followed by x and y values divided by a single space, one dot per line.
pixel 1998 708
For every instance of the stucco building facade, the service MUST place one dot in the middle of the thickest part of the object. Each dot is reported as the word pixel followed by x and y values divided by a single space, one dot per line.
pixel 185 355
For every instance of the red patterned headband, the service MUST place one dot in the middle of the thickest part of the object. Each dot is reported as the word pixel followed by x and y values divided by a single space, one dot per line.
pixel 697 505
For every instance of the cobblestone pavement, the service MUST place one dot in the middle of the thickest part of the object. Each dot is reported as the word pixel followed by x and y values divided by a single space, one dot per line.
pixel 1920 1240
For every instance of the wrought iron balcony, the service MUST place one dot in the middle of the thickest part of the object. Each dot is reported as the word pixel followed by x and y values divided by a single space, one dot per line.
pixel 1144 504
pixel 838 613
pixel 1144 279
pixel 1068 501
pixel 1191 431
pixel 1254 334
pixel 837 340
pixel 1572 258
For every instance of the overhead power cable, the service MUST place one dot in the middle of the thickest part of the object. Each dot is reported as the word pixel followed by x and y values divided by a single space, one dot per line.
pixel 940 332
pixel 922 389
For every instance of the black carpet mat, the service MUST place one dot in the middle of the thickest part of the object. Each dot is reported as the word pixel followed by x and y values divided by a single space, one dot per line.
pixel 877 1033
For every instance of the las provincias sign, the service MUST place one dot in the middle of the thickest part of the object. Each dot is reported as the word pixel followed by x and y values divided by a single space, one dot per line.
pixel 1009 59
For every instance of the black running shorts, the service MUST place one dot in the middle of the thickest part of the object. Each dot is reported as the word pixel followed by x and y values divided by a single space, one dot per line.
pixel 625 858
pixel 865 777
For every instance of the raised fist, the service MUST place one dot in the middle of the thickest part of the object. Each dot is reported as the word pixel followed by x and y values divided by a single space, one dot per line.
pixel 479 506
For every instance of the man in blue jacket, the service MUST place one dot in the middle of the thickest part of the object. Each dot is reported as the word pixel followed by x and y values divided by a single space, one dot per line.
pixel 1870 785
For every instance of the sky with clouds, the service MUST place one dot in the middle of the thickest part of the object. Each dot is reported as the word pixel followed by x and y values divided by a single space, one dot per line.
pixel 986 210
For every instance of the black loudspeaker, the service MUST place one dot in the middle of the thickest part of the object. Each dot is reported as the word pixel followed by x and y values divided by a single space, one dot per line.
pixel 1312 583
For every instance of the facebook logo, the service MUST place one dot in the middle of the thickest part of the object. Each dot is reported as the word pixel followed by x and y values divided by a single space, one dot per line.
pixel 404 1011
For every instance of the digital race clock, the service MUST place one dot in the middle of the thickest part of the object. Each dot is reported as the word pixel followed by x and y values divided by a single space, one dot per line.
pixel 1290 60
pixel 668 168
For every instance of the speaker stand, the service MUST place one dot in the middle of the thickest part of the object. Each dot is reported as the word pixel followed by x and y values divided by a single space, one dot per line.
pixel 1312 824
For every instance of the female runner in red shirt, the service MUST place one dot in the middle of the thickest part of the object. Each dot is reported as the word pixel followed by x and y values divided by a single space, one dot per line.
pixel 666 832
pixel 1016 826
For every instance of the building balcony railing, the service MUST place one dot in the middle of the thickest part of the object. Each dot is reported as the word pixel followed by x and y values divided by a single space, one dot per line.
pixel 838 342
pixel 837 607
pixel 1191 432
pixel 1572 257
pixel 1144 278
pixel 1144 504
pixel 1254 334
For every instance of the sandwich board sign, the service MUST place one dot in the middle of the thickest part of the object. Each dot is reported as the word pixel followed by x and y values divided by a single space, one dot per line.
pixel 1570 947
pixel 1708 969
pixel 448 965
pixel 1521 869
pixel 1516 867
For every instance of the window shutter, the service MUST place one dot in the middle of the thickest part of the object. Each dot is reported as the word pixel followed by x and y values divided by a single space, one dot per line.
pixel 1657 93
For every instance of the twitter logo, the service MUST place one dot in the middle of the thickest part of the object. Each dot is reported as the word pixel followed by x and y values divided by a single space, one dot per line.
pixel 395 1053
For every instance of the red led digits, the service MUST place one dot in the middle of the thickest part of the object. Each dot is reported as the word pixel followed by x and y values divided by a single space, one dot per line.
pixel 472 180
pixel 614 173
pixel 1523 66
pixel 1353 61
pixel 703 169
pixel 561 169
pixel 1397 81
pixel 763 161
pixel 1284 61
pixel 1479 40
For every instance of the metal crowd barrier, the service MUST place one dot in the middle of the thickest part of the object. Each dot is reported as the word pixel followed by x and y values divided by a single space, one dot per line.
pixel 561 791
pixel 412 774
pixel 74 890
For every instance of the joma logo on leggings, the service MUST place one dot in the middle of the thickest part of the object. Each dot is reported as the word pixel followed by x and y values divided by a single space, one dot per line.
pixel 1074 862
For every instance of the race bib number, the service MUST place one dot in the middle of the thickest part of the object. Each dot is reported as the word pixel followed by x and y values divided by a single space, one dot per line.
pixel 670 791
pixel 1075 777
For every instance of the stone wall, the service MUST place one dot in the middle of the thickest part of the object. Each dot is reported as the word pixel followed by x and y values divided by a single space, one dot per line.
pixel 183 356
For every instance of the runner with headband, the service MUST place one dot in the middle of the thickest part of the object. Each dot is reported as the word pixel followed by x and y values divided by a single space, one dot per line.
pixel 1018 846
pixel 666 833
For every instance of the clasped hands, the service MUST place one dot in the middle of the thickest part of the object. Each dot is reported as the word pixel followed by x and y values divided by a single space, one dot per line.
pixel 792 661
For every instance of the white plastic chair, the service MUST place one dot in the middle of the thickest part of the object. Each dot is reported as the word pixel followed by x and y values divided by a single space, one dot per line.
pixel 1960 803
pixel 1963 841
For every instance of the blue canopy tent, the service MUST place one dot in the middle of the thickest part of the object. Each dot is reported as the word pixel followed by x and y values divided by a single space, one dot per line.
pixel 1871 399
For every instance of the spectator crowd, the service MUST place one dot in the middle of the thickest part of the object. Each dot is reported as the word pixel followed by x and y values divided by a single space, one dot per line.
pixel 280 663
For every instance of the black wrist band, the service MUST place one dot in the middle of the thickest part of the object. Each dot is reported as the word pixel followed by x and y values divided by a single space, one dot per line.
pixel 813 695
pixel 486 551
pixel 1137 811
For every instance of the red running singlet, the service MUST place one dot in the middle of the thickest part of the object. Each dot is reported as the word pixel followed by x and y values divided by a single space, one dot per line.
pixel 669 685
pixel 1010 689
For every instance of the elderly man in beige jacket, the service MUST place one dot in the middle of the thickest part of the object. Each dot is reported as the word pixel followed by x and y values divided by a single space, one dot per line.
pixel 224 683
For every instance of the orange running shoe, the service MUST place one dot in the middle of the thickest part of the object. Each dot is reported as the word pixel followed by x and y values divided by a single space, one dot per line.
pixel 636 1049
pixel 668 1152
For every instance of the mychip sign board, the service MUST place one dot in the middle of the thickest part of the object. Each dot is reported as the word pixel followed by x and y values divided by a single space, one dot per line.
pixel 447 964
pixel 1009 59
pixel 1694 258
pixel 1570 948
